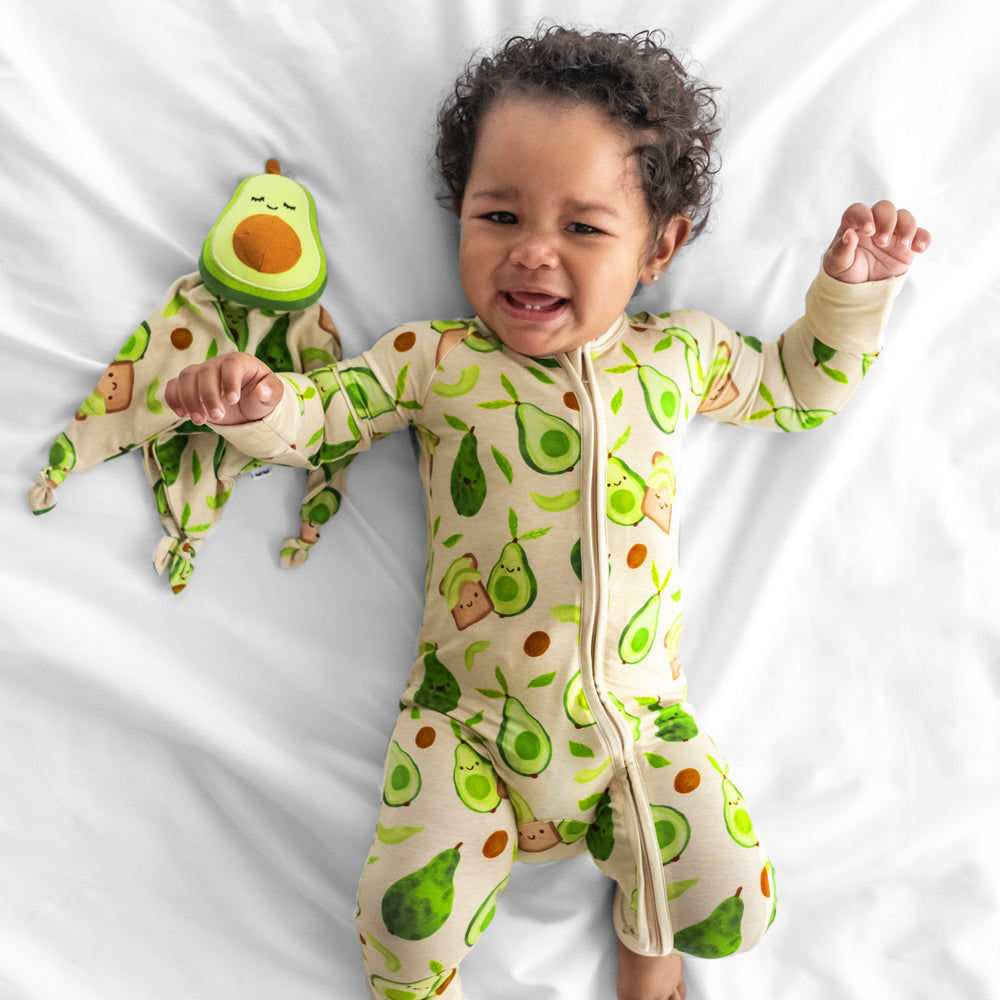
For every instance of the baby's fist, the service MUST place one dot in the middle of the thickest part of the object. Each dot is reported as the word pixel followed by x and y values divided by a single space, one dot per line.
pixel 874 243
pixel 226 389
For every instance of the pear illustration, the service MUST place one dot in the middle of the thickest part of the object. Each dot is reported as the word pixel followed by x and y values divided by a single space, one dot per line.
pixel 673 724
pixel 402 777
pixel 475 780
pixel 548 444
pixel 737 819
pixel 639 634
pixel 169 455
pixel 438 690
pixel 717 935
pixel 601 835
pixel 468 481
pixel 522 741
pixel 273 348
pixel 418 905
pixel 511 585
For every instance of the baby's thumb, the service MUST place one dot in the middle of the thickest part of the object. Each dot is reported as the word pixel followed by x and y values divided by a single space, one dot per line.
pixel 260 398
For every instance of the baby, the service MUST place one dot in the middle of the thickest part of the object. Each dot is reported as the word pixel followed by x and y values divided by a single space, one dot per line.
pixel 546 713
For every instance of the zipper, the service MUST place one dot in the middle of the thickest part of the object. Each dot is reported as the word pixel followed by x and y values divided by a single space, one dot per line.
pixel 613 729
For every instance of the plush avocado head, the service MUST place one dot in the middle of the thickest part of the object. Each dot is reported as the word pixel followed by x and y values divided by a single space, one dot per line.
pixel 264 250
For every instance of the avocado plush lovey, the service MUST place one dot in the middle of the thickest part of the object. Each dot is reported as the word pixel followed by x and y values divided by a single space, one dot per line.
pixel 260 275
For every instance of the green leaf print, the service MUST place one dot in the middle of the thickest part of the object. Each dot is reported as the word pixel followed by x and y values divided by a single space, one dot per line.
pixel 503 464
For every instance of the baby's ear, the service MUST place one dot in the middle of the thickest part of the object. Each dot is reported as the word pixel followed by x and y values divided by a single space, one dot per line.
pixel 673 237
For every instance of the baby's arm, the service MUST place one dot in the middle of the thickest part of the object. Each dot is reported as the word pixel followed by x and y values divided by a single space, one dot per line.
pixel 874 243
pixel 227 389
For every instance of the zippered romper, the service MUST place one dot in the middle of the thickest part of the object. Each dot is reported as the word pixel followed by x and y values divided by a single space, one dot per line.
pixel 546 713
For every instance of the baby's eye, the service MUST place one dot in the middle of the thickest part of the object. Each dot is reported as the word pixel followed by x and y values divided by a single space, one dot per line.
pixel 501 218
pixel 582 229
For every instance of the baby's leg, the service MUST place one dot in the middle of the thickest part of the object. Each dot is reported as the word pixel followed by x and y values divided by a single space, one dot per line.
pixel 441 858
pixel 719 882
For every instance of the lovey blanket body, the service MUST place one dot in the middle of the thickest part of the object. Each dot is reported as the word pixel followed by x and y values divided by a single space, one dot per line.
pixel 261 271
pixel 547 707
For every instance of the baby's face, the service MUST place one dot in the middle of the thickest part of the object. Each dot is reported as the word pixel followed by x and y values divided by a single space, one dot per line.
pixel 554 229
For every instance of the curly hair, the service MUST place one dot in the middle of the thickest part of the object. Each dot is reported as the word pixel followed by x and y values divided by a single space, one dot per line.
pixel 642 85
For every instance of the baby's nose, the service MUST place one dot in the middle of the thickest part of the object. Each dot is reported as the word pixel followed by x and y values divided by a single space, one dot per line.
pixel 534 251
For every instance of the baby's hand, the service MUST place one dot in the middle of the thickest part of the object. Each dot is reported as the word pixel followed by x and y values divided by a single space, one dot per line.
pixel 226 389
pixel 874 243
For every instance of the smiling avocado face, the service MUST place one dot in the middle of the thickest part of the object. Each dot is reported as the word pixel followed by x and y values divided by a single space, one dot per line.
pixel 264 251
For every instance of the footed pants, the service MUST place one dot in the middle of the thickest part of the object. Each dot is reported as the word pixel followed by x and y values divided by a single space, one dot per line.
pixel 449 830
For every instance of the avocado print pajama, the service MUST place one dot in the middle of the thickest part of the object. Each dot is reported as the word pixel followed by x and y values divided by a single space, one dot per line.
pixel 546 713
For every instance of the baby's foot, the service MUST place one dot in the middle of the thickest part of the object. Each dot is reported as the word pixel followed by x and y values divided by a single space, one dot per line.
pixel 644 978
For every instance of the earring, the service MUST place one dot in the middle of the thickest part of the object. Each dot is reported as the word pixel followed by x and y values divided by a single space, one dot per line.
pixel 656 277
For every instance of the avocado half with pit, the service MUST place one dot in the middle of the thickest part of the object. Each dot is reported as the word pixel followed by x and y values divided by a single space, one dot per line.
pixel 264 251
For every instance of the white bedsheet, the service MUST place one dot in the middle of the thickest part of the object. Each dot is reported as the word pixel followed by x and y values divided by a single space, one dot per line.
pixel 188 785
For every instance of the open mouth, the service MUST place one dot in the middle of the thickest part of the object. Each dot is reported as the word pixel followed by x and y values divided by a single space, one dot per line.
pixel 534 302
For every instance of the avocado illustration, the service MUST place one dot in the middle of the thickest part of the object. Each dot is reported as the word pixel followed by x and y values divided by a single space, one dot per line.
pixel 575 703
pixel 484 915
pixel 737 819
pixel 571 830
pixel 522 741
pixel 264 250
pixel 438 690
pixel 62 458
pixel 673 724
pixel 769 889
pixel 717 935
pixel 625 490
pixel 273 348
pixel 365 392
pixel 601 835
pixel 547 443
pixel 639 634
pixel 402 777
pixel 511 585
pixel 320 508
pixel 673 832
pixel 419 990
pixel 663 398
pixel 468 481
pixel 789 419
pixel 631 720
pixel 660 392
pixel 418 905
pixel 475 780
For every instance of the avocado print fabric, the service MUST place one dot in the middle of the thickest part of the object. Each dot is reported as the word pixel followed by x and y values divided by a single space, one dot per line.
pixel 190 468
pixel 548 696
